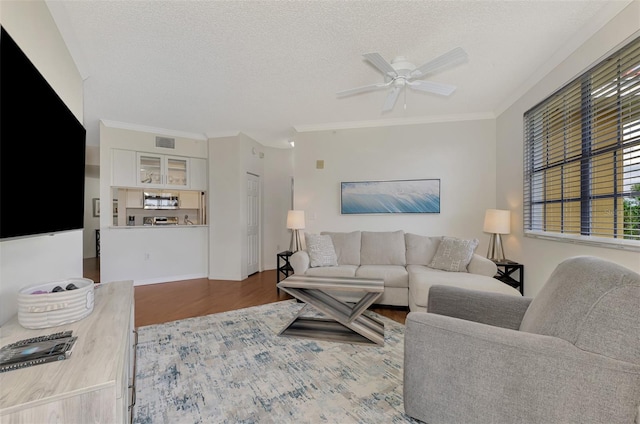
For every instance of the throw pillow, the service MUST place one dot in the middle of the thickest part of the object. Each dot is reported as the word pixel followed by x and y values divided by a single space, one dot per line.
pixel 347 246
pixel 453 254
pixel 321 251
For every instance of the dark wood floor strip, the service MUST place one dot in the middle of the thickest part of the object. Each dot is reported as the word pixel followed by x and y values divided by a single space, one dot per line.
pixel 164 302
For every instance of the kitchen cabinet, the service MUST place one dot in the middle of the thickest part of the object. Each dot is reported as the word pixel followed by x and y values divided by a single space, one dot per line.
pixel 151 170
pixel 198 174
pixel 162 171
pixel 123 168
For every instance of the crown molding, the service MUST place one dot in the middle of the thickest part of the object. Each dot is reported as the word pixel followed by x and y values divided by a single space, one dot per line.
pixel 394 122
pixel 153 130
pixel 221 134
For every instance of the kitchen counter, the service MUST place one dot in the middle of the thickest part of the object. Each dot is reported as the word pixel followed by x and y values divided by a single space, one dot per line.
pixel 154 254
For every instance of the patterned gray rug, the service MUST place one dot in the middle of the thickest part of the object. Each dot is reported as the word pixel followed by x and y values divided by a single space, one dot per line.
pixel 234 368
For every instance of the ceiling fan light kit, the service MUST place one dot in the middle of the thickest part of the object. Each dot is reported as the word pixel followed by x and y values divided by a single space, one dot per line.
pixel 401 73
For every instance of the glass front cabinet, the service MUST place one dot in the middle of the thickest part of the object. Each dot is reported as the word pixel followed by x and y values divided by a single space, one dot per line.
pixel 162 171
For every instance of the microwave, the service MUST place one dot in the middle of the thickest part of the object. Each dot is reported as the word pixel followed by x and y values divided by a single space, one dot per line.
pixel 160 201
pixel 160 220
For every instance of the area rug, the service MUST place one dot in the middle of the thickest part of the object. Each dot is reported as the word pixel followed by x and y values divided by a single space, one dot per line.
pixel 232 367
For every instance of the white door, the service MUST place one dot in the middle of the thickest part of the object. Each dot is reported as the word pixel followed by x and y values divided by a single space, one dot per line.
pixel 253 223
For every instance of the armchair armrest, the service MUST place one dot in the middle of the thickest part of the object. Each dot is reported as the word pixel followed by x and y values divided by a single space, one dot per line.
pixel 497 309
pixel 461 371
pixel 299 261
pixel 482 266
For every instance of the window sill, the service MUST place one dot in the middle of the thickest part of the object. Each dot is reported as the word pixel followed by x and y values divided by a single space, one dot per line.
pixel 628 245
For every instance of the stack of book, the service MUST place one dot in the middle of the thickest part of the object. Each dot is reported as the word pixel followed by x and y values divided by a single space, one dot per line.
pixel 36 351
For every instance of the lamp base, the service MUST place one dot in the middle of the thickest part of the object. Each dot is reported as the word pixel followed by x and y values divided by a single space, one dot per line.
pixel 495 251
pixel 296 241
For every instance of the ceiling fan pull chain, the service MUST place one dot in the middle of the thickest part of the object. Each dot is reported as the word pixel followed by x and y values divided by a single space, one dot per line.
pixel 405 96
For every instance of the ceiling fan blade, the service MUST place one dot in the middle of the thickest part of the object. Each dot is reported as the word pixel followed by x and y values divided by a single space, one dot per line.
pixel 379 62
pixel 432 87
pixel 454 57
pixel 391 99
pixel 363 89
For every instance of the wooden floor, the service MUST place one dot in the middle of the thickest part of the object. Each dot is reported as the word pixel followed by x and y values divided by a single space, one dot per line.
pixel 164 302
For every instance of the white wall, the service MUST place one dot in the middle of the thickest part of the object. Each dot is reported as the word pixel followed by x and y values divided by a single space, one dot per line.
pixel 31 26
pixel 34 260
pixel 542 256
pixel 153 255
pixel 276 202
pixel 225 202
pixel 461 154
pixel 230 159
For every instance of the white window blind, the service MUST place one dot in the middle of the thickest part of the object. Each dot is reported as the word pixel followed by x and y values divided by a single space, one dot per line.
pixel 582 156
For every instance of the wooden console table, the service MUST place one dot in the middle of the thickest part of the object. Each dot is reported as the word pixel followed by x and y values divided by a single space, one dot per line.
pixel 345 322
pixel 95 385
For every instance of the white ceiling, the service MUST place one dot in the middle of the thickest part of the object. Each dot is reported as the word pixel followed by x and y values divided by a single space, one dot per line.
pixel 215 68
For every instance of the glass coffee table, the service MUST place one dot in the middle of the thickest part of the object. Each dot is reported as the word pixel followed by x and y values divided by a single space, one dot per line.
pixel 338 321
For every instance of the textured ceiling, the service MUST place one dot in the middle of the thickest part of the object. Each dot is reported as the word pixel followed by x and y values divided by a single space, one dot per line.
pixel 263 68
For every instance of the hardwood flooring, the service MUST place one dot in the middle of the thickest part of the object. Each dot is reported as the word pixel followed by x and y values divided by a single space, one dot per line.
pixel 164 302
pixel 91 269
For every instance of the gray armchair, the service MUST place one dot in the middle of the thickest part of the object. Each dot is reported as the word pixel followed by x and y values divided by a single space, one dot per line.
pixel 570 355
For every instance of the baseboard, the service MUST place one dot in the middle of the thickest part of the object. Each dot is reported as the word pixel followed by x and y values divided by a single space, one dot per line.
pixel 168 279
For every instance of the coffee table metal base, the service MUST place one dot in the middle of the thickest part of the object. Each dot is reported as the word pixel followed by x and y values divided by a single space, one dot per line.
pixel 342 321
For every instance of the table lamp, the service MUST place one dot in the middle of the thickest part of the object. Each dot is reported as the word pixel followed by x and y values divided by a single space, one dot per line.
pixel 496 222
pixel 295 222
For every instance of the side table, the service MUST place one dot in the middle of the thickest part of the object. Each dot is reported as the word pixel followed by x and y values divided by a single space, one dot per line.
pixel 284 267
pixel 506 268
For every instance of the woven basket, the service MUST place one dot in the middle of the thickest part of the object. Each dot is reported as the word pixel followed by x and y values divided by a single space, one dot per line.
pixel 53 309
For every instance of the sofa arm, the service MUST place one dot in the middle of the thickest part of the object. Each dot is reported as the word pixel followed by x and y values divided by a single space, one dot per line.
pixel 458 371
pixel 299 261
pixel 496 309
pixel 482 266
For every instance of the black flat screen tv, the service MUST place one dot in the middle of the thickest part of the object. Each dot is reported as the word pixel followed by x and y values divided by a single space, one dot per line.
pixel 42 152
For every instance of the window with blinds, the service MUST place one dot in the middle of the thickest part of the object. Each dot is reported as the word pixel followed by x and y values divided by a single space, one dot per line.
pixel 582 156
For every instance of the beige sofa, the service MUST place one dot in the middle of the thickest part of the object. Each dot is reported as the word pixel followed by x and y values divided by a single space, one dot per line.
pixel 402 260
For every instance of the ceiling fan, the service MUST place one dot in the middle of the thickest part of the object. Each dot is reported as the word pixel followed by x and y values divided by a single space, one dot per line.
pixel 400 73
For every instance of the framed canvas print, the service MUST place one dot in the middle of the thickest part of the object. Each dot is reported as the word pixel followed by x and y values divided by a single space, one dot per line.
pixel 375 197
pixel 96 207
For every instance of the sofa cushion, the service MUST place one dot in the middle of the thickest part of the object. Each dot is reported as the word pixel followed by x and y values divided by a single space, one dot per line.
pixel 453 254
pixel 347 246
pixel 421 278
pixel 383 248
pixel 421 249
pixel 321 250
pixel 393 275
pixel 333 271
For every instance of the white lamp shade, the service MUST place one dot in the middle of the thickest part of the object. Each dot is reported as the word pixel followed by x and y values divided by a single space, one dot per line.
pixel 497 221
pixel 295 220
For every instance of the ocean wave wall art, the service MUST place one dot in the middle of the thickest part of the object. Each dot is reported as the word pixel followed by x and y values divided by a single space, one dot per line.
pixel 406 196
